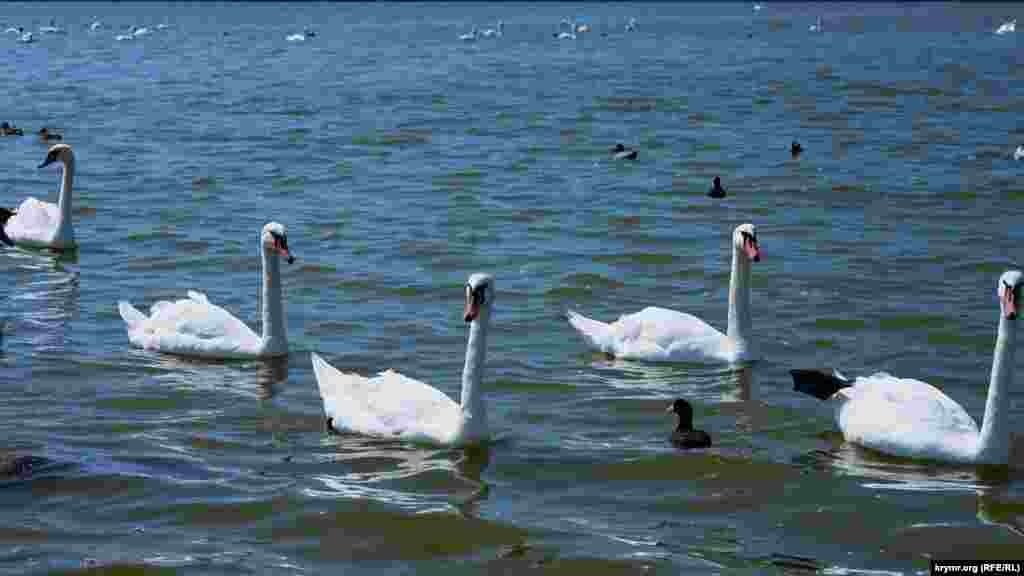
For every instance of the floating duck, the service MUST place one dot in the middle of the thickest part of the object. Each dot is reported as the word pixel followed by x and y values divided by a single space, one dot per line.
pixel 620 152
pixel 8 130
pixel 795 148
pixel 685 436
pixel 46 136
pixel 716 189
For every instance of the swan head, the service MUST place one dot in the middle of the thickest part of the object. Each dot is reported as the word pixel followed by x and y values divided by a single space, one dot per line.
pixel 275 239
pixel 479 295
pixel 1009 293
pixel 744 240
pixel 58 152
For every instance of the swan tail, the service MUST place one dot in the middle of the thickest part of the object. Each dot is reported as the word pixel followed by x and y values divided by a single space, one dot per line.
pixel 820 384
pixel 594 332
pixel 327 378
pixel 130 313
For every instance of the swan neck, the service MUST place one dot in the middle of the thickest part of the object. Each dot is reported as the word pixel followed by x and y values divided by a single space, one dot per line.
pixel 739 299
pixel 994 440
pixel 275 337
pixel 64 200
pixel 472 372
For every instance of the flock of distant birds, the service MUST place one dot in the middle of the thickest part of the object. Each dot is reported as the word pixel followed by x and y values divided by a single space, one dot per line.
pixel 567 30
pixel 27 37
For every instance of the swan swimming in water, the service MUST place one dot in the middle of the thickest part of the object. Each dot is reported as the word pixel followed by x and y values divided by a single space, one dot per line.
pixel 52 28
pixel 396 406
pixel 913 419
pixel 1018 153
pixel 816 27
pixel 489 32
pixel 471 37
pixel 195 327
pixel 662 335
pixel 41 224
pixel 1007 27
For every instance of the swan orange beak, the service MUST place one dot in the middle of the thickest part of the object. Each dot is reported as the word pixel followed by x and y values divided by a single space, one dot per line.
pixel 472 307
pixel 1009 304
pixel 752 249
pixel 283 251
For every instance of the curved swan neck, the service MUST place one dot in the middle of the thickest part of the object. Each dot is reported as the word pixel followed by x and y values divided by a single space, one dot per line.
pixel 64 200
pixel 739 298
pixel 472 372
pixel 275 335
pixel 994 440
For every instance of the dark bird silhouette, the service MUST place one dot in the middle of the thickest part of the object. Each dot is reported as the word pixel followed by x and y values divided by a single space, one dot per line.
pixel 620 152
pixel 796 148
pixel 716 190
pixel 685 436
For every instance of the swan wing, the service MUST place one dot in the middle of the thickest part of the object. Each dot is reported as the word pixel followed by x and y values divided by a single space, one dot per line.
pixel 389 405
pixel 654 334
pixel 905 417
pixel 35 221
pixel 193 326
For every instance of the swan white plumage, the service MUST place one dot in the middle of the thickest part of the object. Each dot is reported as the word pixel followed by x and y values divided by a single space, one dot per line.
pixel 52 28
pixel 471 37
pixel 27 38
pixel 913 419
pixel 96 24
pixel 140 31
pixel 41 224
pixel 489 32
pixel 1019 152
pixel 1007 27
pixel 396 406
pixel 659 334
pixel 195 327
pixel 816 27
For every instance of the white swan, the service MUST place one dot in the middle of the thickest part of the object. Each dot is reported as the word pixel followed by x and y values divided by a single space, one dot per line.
pixel 140 31
pixel 910 418
pixel 816 27
pixel 631 25
pixel 1018 153
pixel 489 32
pixel 296 38
pixel 26 38
pixel 41 224
pixel 566 30
pixel 1007 27
pixel 396 406
pixel 471 37
pixel 52 28
pixel 195 327
pixel 659 334
pixel 96 24
pixel 13 30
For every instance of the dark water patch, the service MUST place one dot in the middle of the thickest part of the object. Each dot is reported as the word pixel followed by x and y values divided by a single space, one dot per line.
pixel 402 137
pixel 642 259
pixel 529 387
pixel 840 324
pixel 848 188
pixel 154 404
pixel 288 184
pixel 94 568
pixel 911 322
pixel 369 531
